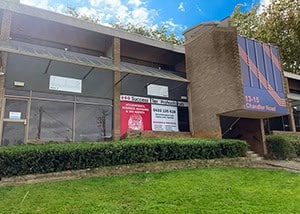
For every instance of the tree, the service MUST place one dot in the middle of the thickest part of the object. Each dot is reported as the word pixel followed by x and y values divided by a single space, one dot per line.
pixel 160 34
pixel 278 23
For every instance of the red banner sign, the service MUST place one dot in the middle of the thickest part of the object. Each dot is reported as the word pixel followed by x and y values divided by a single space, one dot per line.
pixel 135 116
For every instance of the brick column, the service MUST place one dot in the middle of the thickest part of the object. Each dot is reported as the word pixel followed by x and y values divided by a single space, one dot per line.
pixel 263 137
pixel 289 106
pixel 213 68
pixel 4 36
pixel 117 88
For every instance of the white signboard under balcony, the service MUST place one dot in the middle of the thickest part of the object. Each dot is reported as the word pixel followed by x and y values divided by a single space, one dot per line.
pixel 65 84
pixel 158 90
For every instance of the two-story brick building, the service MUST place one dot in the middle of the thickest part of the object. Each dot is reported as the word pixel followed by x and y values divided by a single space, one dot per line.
pixel 64 79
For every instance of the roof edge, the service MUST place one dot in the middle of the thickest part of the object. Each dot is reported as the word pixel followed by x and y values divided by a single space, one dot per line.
pixel 209 23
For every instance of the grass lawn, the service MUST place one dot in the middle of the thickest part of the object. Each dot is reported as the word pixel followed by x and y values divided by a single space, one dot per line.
pixel 213 190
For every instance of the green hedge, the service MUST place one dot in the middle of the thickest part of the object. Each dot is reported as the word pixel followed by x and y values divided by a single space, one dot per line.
pixel 53 157
pixel 283 146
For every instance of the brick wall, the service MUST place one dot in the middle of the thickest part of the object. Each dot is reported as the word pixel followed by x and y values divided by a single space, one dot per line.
pixel 213 67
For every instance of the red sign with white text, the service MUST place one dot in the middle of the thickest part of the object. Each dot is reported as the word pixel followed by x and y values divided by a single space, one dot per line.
pixel 135 116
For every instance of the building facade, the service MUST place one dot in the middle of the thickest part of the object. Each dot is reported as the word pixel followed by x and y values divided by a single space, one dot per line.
pixel 64 79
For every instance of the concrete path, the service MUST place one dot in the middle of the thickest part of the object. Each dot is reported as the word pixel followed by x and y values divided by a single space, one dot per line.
pixel 293 166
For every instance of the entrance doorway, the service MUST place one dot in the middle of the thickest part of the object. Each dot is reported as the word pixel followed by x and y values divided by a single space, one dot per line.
pixel 250 130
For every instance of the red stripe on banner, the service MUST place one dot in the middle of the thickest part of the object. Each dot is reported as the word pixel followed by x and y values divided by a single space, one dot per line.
pixel 258 74
pixel 264 82
pixel 274 58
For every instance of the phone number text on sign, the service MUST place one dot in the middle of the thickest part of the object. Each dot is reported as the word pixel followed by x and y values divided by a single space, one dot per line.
pixel 164 118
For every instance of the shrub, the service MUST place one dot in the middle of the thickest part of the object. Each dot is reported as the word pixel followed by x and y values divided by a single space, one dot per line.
pixel 53 157
pixel 295 140
pixel 283 146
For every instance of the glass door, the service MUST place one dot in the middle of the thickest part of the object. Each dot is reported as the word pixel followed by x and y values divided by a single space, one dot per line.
pixel 14 122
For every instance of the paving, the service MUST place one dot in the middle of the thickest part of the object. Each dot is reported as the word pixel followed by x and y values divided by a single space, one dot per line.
pixel 293 166
pixel 260 162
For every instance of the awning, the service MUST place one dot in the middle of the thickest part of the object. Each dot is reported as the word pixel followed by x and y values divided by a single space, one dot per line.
pixel 148 71
pixel 85 60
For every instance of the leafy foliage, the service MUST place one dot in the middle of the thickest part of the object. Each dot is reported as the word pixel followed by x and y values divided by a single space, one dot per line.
pixel 53 157
pixel 278 23
pixel 284 146
pixel 160 34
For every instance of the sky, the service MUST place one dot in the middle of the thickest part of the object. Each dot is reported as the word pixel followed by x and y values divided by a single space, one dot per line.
pixel 176 15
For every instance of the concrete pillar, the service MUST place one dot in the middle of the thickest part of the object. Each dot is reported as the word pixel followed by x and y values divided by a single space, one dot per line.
pixel 5 27
pixel 117 88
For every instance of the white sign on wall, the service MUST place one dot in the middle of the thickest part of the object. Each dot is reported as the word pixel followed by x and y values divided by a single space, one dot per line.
pixel 14 115
pixel 158 90
pixel 65 84
pixel 164 118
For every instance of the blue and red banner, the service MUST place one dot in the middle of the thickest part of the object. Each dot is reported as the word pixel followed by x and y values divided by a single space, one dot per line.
pixel 262 77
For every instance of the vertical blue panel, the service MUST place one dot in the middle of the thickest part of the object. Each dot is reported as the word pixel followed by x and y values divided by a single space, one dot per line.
pixel 273 66
pixel 252 56
pixel 277 69
pixel 260 62
pixel 269 70
pixel 245 69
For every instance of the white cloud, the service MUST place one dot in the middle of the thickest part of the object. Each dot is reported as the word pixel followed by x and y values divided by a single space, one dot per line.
pixel 132 11
pixel 60 8
pixel 181 7
pixel 95 3
pixel 113 3
pixel 36 3
pixel 84 11
pixel 136 3
pixel 263 4
pixel 199 9
pixel 139 16
pixel 121 13
pixel 44 4
pixel 135 12
pixel 173 26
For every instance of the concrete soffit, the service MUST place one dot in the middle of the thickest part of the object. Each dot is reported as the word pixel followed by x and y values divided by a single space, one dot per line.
pixel 291 75
pixel 63 19
pixel 293 96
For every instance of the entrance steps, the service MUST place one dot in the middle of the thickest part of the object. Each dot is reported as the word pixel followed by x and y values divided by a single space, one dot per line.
pixel 253 156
